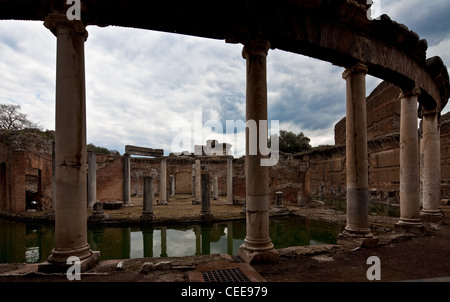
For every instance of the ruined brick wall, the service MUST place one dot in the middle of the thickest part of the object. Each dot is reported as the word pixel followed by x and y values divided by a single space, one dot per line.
pixel 109 177
pixel 384 163
pixel 445 155
pixel 327 170
pixel 383 114
pixel 25 169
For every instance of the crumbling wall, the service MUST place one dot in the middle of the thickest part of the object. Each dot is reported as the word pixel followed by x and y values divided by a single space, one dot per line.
pixel 109 177
pixel 445 155
pixel 383 114
pixel 25 156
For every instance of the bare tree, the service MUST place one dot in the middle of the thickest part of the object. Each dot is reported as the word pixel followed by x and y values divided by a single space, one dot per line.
pixel 12 119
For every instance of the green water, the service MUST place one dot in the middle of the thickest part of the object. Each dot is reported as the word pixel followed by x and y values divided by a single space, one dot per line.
pixel 32 243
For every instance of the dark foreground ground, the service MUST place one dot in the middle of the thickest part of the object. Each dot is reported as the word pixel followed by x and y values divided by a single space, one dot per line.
pixel 403 257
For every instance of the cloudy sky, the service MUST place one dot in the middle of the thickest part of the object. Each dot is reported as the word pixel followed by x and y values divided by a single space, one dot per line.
pixel 149 88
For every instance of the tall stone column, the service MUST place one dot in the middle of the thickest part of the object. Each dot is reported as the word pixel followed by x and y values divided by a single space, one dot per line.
pixel 356 153
pixel 92 180
pixel 409 161
pixel 70 147
pixel 172 186
pixel 53 180
pixel 147 212
pixel 126 179
pixel 431 191
pixel 163 181
pixel 230 180
pixel 257 245
pixel 205 213
pixel 216 187
pixel 197 182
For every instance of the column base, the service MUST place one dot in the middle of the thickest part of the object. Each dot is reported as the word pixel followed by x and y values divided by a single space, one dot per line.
pixel 414 226
pixel 147 216
pixel 255 255
pixel 356 233
pixel 207 216
pixel 279 210
pixel 431 215
pixel 86 264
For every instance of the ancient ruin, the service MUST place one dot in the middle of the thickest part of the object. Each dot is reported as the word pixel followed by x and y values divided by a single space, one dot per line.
pixel 335 31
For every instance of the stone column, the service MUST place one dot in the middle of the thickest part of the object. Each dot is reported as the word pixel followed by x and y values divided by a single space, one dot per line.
pixel 215 187
pixel 147 212
pixel 230 180
pixel 171 186
pixel 356 153
pixel 431 165
pixel 92 180
pixel 53 179
pixel 163 186
pixel 197 182
pixel 409 161
pixel 257 245
pixel 193 180
pixel 126 179
pixel 70 148
pixel 206 198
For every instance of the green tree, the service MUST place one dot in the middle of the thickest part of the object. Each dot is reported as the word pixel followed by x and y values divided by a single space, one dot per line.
pixel 290 142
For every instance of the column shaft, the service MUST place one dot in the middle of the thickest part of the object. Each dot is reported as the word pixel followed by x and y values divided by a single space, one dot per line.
pixel 70 143
pixel 148 198
pixel 230 180
pixel 197 182
pixel 431 193
pixel 92 180
pixel 409 160
pixel 257 245
pixel 163 181
pixel 206 198
pixel 356 153
pixel 126 179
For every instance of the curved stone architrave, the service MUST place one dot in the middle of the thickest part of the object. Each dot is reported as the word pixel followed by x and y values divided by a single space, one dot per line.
pixel 336 31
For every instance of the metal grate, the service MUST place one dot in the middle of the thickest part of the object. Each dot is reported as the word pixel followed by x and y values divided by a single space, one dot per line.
pixel 225 275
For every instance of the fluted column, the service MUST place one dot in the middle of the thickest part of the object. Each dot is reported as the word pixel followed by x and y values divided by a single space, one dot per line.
pixel 409 161
pixel 70 146
pixel 356 153
pixel 257 245
pixel 431 190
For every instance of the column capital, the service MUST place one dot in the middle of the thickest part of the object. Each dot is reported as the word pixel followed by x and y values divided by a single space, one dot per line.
pixel 358 68
pixel 429 112
pixel 409 93
pixel 53 21
pixel 256 47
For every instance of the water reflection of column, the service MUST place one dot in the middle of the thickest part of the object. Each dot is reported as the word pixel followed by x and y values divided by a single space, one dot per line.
pixel 126 243
pixel 206 240
pixel 198 245
pixel 147 235
pixel 163 242
pixel 230 238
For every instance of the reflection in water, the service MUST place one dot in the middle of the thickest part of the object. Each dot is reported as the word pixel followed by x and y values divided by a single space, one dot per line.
pixel 20 242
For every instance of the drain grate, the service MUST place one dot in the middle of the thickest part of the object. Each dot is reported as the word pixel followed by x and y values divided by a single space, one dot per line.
pixel 225 275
